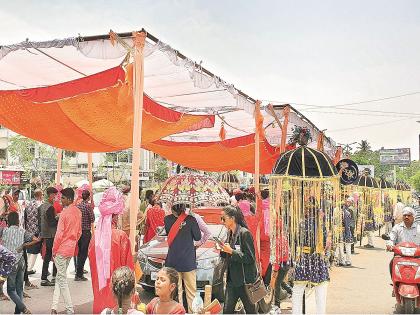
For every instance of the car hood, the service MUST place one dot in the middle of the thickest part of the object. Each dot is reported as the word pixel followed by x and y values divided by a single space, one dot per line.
pixel 157 248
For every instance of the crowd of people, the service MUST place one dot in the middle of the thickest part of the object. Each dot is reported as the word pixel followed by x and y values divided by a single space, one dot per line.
pixel 64 231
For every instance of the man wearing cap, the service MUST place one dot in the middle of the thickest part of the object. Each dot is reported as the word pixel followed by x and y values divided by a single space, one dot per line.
pixel 406 231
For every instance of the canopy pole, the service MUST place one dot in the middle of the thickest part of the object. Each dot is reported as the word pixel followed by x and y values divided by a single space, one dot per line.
pixel 286 112
pixel 320 141
pixel 138 85
pixel 59 157
pixel 258 131
pixel 90 171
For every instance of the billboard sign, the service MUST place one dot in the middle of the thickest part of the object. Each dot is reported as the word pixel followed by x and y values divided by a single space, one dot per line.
pixel 10 177
pixel 400 157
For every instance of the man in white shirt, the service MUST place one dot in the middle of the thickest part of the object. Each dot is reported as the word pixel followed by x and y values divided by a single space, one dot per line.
pixel 398 209
pixel 406 231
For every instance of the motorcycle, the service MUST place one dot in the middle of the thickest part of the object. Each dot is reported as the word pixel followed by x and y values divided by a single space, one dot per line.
pixel 406 275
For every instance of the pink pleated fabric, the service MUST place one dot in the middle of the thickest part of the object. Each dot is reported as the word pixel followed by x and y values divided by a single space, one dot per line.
pixel 112 202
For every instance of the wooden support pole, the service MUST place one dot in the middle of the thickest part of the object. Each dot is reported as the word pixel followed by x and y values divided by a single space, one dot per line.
pixel 90 171
pixel 286 112
pixel 258 128
pixel 138 86
pixel 59 158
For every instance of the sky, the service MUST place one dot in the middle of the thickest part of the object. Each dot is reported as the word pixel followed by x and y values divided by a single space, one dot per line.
pixel 321 53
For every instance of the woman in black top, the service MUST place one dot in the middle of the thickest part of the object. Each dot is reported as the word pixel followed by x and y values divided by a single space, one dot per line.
pixel 181 253
pixel 240 253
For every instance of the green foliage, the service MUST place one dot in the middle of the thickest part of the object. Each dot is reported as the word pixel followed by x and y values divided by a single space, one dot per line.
pixel 371 158
pixel 407 173
pixel 364 146
pixel 35 157
pixel 161 171
pixel 415 181
pixel 364 156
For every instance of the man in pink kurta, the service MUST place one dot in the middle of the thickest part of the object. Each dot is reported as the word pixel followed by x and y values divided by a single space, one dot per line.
pixel 69 229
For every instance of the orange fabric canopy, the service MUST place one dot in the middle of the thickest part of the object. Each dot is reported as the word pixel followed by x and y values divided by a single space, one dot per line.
pixel 232 154
pixel 92 114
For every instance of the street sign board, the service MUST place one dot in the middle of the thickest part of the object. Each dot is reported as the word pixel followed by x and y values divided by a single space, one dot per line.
pixel 400 157
pixel 10 177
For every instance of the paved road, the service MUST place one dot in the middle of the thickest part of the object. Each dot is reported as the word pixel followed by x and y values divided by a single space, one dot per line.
pixel 41 299
pixel 363 288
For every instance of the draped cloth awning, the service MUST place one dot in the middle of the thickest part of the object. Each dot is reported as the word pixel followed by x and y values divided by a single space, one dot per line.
pixel 92 114
pixel 219 156
pixel 74 94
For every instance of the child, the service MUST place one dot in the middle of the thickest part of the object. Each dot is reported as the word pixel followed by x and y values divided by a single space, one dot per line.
pixel 166 290
pixel 123 287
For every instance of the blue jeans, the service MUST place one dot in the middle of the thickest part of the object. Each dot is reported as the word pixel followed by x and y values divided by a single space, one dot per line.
pixel 15 286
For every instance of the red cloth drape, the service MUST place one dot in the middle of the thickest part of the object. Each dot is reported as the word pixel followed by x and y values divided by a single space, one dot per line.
pixel 253 221
pixel 120 256
pixel 154 218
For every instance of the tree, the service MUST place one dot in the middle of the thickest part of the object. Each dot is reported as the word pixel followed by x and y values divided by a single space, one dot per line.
pixel 415 181
pixel 161 170
pixel 364 146
pixel 365 156
pixel 117 165
pixel 37 159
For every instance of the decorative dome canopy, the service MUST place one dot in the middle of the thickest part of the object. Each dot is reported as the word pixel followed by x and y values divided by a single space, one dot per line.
pixel 304 162
pixel 401 185
pixel 384 184
pixel 193 190
pixel 366 180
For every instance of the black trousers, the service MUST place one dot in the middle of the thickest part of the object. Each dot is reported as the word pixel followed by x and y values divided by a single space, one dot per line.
pixel 83 245
pixel 282 273
pixel 25 275
pixel 233 294
pixel 49 242
pixel 354 238
pixel 281 284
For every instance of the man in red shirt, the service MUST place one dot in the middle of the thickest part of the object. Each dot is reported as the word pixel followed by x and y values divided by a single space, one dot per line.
pixel 69 230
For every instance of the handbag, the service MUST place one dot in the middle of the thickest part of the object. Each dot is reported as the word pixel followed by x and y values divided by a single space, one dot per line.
pixel 255 291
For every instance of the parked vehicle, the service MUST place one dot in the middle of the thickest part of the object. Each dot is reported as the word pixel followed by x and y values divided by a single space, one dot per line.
pixel 152 255
pixel 406 276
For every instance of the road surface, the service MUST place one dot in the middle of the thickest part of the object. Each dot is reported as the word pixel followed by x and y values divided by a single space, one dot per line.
pixel 362 288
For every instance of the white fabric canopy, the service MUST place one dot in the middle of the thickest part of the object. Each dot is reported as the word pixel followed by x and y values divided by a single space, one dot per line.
pixel 171 79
